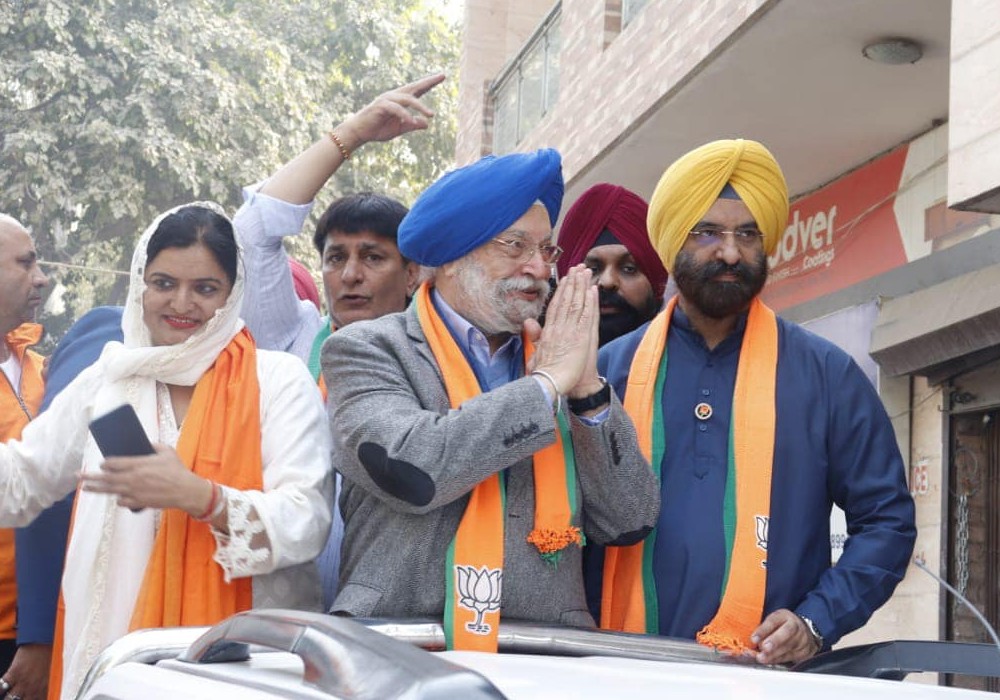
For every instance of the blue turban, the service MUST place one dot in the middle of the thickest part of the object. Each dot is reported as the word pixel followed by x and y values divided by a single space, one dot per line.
pixel 472 205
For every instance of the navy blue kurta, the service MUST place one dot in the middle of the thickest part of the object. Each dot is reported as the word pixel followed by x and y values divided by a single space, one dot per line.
pixel 833 444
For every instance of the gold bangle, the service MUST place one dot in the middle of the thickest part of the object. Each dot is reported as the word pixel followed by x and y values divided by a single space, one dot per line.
pixel 344 153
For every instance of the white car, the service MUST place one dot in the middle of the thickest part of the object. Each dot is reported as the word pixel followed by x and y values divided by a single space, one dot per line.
pixel 291 654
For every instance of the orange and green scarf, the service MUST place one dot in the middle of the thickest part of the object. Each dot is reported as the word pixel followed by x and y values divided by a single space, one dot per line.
pixel 629 601
pixel 474 564
pixel 314 354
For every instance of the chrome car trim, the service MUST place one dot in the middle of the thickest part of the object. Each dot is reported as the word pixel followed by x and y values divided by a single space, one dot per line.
pixel 529 638
pixel 141 646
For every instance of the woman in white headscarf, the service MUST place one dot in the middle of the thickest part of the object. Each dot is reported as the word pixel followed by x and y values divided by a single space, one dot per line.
pixel 231 510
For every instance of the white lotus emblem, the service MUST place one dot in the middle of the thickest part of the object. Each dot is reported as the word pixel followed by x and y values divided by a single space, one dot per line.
pixel 762 523
pixel 478 591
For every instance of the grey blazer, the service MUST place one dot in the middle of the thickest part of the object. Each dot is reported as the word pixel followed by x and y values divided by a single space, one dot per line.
pixel 409 462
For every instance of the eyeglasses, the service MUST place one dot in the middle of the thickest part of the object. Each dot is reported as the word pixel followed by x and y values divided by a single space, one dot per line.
pixel 521 251
pixel 745 237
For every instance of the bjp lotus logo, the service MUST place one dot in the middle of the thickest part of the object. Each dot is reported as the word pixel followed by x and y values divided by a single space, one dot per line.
pixel 478 592
pixel 762 523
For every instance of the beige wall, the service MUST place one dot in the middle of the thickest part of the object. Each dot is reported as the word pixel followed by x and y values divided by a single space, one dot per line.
pixel 661 46
pixel 974 138
pixel 913 610
pixel 493 32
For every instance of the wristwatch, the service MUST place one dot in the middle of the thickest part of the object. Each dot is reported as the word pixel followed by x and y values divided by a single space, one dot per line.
pixel 595 400
pixel 811 626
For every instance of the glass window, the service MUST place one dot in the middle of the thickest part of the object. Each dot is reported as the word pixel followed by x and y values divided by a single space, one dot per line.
pixel 630 9
pixel 528 88
pixel 552 39
pixel 505 116
pixel 532 89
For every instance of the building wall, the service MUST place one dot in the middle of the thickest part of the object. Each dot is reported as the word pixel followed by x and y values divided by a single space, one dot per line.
pixel 657 50
pixel 883 215
pixel 974 141
pixel 493 32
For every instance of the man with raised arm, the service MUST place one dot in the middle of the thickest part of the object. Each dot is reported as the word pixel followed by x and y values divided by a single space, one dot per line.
pixel 364 274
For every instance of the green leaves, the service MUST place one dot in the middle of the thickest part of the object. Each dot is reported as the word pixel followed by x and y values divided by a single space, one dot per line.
pixel 113 111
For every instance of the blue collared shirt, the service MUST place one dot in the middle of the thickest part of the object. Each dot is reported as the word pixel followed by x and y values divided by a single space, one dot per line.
pixel 496 369
pixel 492 369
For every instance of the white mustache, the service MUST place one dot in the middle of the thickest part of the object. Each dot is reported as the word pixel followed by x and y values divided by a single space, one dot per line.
pixel 524 284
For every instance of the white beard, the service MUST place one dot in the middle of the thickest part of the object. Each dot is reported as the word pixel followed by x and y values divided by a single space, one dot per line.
pixel 488 304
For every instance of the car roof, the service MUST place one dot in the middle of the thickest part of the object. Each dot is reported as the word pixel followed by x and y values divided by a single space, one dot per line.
pixel 309 656
pixel 530 677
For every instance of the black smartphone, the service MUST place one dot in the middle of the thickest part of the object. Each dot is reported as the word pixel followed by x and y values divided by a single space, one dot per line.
pixel 119 433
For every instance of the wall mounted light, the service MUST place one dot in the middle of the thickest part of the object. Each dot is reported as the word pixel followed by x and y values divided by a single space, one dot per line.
pixel 894 51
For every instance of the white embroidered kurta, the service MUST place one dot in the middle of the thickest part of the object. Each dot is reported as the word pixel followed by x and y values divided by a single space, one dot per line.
pixel 293 509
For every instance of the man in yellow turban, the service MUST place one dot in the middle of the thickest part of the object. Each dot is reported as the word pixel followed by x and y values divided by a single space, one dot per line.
pixel 748 418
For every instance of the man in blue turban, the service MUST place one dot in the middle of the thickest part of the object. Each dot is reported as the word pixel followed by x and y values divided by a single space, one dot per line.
pixel 456 504
pixel 467 207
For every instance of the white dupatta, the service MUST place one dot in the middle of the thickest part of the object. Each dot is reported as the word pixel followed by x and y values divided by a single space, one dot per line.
pixel 109 545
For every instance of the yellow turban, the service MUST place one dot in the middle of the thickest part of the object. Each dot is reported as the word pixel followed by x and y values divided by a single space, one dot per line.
pixel 691 185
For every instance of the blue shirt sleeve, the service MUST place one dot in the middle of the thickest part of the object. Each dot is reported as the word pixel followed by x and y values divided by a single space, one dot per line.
pixel 39 550
pixel 867 480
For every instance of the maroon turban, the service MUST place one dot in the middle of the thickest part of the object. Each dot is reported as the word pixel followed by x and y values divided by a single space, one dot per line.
pixel 623 213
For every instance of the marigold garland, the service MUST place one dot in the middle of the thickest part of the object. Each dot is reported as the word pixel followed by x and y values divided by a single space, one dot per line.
pixel 550 543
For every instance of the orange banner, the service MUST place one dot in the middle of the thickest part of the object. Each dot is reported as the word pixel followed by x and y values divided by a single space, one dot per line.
pixel 839 235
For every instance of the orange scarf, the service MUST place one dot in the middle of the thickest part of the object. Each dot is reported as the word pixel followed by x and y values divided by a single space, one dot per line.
pixel 17 406
pixel 629 601
pixel 474 567
pixel 220 440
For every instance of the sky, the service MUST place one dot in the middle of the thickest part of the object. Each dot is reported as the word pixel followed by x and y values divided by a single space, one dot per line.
pixel 452 9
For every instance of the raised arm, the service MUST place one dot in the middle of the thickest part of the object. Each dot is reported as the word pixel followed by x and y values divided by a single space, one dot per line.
pixel 279 206
pixel 389 115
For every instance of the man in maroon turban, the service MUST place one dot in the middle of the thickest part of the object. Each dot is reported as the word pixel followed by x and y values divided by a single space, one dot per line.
pixel 606 229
